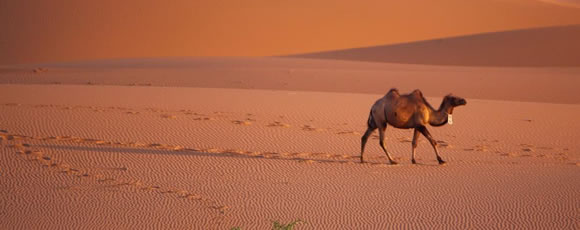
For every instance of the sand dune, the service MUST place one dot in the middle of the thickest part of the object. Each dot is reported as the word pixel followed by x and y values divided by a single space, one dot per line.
pixel 566 3
pixel 247 142
pixel 552 85
pixel 112 29
pixel 539 47
pixel 216 143
pixel 159 157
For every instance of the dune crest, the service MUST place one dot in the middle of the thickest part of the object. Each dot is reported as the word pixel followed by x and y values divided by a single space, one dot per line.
pixel 536 47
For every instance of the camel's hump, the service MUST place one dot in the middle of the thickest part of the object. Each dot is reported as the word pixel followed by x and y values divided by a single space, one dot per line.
pixel 417 92
pixel 393 90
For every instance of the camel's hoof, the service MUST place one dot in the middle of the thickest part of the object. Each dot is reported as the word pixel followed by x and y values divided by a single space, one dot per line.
pixel 413 161
pixel 394 162
pixel 441 162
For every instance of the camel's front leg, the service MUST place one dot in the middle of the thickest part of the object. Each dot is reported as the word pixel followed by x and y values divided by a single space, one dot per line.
pixel 426 133
pixel 414 145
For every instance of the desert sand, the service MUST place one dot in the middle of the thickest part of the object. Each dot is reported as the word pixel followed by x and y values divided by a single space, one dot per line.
pixel 217 143
pixel 245 114
pixel 547 47
pixel 38 31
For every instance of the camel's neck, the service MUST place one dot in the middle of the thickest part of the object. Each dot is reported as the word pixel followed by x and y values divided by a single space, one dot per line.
pixel 439 117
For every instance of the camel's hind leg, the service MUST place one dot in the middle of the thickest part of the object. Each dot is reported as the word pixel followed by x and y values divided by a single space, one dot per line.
pixel 371 126
pixel 363 141
pixel 426 133
pixel 382 142
pixel 414 145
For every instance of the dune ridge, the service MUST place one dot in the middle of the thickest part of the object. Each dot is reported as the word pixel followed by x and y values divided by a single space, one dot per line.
pixel 538 47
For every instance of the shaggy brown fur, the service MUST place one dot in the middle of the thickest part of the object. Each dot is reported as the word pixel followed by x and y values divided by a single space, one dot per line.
pixel 405 112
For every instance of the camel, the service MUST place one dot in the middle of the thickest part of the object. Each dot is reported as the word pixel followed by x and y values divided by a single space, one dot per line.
pixel 408 111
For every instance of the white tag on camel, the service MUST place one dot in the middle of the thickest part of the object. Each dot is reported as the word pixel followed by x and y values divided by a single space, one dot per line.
pixel 449 119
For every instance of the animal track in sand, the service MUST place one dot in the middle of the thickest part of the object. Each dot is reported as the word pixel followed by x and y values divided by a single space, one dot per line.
pixel 204 119
pixel 239 122
pixel 478 148
pixel 174 114
pixel 405 140
pixel 444 144
pixel 348 133
pixel 168 116
pixel 140 84
pixel 523 150
pixel 311 128
pixel 28 152
pixel 300 157
pixel 278 124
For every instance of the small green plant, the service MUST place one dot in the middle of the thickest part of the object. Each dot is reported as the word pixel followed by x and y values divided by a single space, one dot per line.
pixel 289 226
pixel 236 228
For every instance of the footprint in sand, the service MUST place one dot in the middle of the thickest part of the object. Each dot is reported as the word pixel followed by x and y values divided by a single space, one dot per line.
pixel 508 154
pixel 278 124
pixel 238 122
pixel 444 144
pixel 186 112
pixel 39 70
pixel 140 84
pixel 528 150
pixel 153 110
pixel 348 133
pixel 204 119
pixel 168 116
pixel 479 148
pixel 311 128
pixel 405 140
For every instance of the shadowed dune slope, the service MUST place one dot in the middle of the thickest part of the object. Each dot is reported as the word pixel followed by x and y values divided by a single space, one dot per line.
pixel 539 47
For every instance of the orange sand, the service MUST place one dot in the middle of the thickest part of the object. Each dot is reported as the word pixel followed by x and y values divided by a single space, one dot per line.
pixel 36 31
pixel 538 47
pixel 223 142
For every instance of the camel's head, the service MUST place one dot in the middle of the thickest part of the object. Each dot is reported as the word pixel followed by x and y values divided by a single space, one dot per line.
pixel 454 100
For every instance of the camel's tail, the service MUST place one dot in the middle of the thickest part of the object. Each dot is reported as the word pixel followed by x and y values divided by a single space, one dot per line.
pixel 371 122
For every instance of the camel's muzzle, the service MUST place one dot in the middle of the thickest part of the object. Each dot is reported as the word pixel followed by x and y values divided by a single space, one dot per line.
pixel 462 102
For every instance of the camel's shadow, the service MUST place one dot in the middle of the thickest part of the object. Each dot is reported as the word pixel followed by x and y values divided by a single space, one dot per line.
pixel 199 153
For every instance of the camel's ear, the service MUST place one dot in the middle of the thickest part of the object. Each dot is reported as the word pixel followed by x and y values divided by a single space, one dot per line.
pixel 448 99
